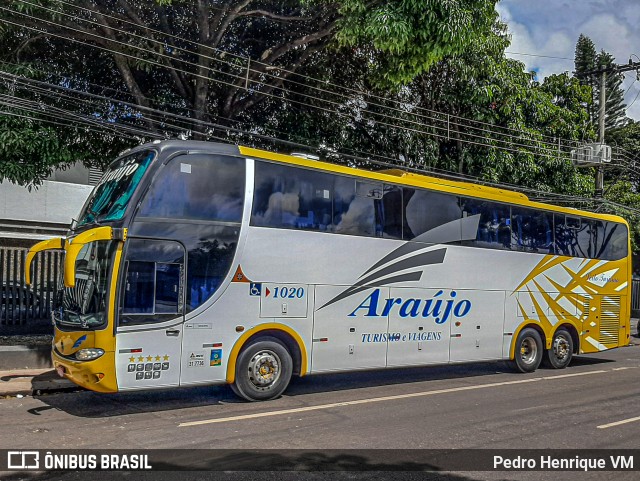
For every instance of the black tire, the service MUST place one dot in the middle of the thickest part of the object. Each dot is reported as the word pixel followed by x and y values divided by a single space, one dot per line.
pixel 263 370
pixel 528 352
pixel 561 352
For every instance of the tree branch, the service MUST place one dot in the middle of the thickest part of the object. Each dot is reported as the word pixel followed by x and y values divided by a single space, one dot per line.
pixel 184 87
pixel 221 28
pixel 125 69
pixel 232 106
pixel 272 54
pixel 265 13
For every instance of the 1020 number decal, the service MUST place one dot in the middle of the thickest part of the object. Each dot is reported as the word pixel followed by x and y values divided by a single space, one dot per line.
pixel 288 292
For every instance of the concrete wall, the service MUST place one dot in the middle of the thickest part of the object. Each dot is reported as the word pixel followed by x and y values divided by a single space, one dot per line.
pixel 52 202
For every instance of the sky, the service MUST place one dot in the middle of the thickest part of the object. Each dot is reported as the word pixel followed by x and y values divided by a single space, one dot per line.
pixel 550 28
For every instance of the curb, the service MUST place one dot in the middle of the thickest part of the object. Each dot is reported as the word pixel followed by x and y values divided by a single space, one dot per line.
pixel 30 357
pixel 27 382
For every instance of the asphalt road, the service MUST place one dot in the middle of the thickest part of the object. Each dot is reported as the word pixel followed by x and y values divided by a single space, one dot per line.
pixel 593 404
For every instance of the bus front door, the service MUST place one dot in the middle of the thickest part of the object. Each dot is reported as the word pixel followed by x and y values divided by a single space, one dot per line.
pixel 151 315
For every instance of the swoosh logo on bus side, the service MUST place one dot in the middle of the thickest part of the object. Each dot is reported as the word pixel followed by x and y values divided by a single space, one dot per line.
pixel 380 278
pixel 456 230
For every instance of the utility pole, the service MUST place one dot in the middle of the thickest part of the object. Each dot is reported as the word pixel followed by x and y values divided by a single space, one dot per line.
pixel 603 103
pixel 596 155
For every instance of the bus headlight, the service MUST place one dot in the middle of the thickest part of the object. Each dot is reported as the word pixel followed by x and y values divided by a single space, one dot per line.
pixel 88 354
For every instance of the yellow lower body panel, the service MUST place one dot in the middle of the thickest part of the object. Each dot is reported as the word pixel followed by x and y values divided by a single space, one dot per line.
pixel 97 375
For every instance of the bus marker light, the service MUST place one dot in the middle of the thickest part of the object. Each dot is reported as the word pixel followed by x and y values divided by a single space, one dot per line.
pixel 239 328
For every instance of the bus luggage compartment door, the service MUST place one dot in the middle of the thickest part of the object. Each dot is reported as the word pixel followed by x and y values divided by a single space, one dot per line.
pixel 349 332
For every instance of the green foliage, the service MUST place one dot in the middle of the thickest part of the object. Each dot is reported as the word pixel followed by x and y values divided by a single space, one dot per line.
pixel 627 138
pixel 615 111
pixel 586 62
pixel 410 36
pixel 585 58
pixel 29 151
pixel 483 85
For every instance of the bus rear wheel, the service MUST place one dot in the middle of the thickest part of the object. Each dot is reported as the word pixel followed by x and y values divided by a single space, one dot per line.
pixel 528 353
pixel 561 352
pixel 263 370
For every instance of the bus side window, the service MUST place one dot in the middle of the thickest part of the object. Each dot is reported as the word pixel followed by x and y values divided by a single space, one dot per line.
pixel 167 288
pixel 315 193
pixel 292 198
pixel 566 235
pixel 610 240
pixel 590 238
pixel 532 231
pixel 139 288
pixel 354 207
pixel 494 224
pixel 389 212
pixel 582 240
pixel 425 210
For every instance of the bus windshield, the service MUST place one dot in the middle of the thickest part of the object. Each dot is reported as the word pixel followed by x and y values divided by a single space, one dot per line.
pixel 110 197
pixel 85 304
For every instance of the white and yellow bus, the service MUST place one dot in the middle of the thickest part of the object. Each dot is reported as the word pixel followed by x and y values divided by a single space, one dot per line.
pixel 198 263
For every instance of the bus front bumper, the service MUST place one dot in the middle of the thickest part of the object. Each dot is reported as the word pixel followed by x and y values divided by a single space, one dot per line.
pixel 96 375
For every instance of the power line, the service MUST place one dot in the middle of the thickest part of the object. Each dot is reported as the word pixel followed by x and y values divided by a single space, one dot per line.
pixel 445 123
pixel 545 195
pixel 536 55
pixel 551 151
pixel 328 110
pixel 470 123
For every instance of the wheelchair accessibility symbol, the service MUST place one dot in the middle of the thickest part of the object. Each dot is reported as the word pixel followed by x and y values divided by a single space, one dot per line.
pixel 255 289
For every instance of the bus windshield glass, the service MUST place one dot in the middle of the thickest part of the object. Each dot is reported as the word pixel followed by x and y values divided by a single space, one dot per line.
pixel 110 198
pixel 85 304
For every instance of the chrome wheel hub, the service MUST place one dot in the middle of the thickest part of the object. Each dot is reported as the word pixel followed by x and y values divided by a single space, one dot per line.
pixel 528 350
pixel 560 348
pixel 264 369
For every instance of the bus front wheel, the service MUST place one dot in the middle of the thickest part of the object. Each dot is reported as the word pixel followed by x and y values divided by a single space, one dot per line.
pixel 528 353
pixel 263 370
pixel 561 352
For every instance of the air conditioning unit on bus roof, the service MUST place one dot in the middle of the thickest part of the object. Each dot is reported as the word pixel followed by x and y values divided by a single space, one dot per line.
pixel 591 154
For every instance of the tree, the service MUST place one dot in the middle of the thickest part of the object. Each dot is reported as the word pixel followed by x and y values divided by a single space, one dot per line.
pixel 585 60
pixel 229 62
pixel 34 140
pixel 627 138
pixel 495 121
pixel 615 108
pixel 410 36
pixel 588 61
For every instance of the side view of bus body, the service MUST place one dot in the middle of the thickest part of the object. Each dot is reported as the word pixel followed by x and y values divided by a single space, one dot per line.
pixel 197 263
